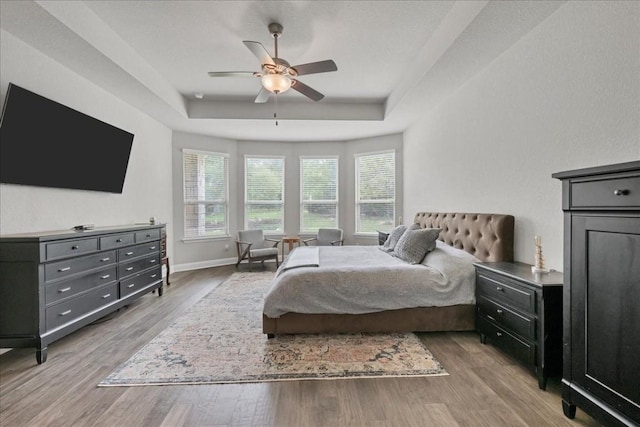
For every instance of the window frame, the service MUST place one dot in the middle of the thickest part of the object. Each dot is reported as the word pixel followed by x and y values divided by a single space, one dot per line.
pixel 359 202
pixel 248 203
pixel 223 202
pixel 303 202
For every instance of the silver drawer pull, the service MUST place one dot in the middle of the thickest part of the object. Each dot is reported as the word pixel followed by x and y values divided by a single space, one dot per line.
pixel 153 276
pixel 62 270
pixel 118 240
pixel 129 253
pixel 498 311
pixel 131 285
pixel 64 313
pixel 105 259
pixel 152 248
pixel 148 235
pixel 74 247
pixel 498 334
pixel 620 192
pixel 151 261
pixel 63 290
pixel 106 296
pixel 499 288
pixel 106 276
pixel 129 268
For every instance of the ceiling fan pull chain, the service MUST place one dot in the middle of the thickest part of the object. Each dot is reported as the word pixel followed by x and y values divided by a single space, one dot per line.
pixel 275 114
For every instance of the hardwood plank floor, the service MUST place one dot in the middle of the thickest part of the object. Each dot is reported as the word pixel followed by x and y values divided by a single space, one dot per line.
pixel 484 388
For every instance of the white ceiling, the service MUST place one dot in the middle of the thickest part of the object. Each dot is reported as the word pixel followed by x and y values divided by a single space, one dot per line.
pixel 396 59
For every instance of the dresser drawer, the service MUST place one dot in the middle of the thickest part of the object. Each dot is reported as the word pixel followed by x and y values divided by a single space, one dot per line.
pixel 117 240
pixel 612 193
pixel 521 350
pixel 507 318
pixel 145 236
pixel 132 252
pixel 70 310
pixel 140 281
pixel 507 291
pixel 129 268
pixel 61 290
pixel 70 248
pixel 72 266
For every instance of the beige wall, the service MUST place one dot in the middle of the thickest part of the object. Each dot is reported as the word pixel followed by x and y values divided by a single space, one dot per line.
pixel 566 96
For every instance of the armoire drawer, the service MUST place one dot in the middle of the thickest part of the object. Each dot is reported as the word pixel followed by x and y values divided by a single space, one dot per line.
pixel 72 266
pixel 612 192
pixel 67 311
pixel 507 318
pixel 64 289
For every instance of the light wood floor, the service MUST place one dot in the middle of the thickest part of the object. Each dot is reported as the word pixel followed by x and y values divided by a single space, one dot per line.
pixel 484 388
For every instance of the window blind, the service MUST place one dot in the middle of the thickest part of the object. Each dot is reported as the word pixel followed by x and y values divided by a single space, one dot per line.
pixel 375 192
pixel 318 193
pixel 205 180
pixel 264 193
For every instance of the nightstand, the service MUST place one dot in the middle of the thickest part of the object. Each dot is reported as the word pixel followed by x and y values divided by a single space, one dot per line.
pixel 520 312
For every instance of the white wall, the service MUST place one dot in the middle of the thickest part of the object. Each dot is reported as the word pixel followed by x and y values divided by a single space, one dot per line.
pixel 566 96
pixel 147 189
pixel 210 252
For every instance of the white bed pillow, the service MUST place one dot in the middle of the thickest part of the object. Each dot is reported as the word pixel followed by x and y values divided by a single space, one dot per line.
pixel 414 244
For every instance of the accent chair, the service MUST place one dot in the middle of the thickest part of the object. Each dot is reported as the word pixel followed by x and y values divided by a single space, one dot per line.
pixel 327 237
pixel 253 246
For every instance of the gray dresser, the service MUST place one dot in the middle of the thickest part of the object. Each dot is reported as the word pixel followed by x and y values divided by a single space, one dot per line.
pixel 54 283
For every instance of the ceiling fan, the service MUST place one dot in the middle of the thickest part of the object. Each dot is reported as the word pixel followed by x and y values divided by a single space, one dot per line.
pixel 277 74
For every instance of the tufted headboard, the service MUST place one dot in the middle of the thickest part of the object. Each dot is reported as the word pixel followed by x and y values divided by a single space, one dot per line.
pixel 489 237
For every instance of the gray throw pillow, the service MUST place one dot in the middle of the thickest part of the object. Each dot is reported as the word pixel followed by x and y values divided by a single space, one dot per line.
pixel 414 245
pixel 393 238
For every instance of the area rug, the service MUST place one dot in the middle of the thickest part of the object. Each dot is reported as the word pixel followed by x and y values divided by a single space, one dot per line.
pixel 220 340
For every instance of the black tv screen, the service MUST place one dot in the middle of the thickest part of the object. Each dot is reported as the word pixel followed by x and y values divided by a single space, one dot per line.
pixel 44 143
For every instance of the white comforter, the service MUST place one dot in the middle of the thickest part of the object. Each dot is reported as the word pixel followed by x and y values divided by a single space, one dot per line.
pixel 364 279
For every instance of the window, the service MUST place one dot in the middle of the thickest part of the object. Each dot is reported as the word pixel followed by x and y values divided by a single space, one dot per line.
pixel 375 191
pixel 264 194
pixel 206 189
pixel 318 193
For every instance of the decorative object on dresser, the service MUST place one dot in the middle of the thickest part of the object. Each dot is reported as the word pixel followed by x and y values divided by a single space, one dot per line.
pixel 521 312
pixel 538 267
pixel 601 369
pixel 53 283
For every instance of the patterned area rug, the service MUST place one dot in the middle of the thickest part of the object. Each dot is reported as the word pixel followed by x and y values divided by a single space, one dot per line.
pixel 220 340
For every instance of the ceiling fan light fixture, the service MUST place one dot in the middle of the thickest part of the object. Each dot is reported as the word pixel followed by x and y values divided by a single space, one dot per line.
pixel 276 83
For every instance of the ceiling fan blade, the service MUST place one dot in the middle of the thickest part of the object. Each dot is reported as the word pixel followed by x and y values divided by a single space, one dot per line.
pixel 263 96
pixel 233 74
pixel 316 67
pixel 260 52
pixel 306 90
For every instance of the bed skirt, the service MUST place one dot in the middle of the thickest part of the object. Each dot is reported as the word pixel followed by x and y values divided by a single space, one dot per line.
pixel 421 319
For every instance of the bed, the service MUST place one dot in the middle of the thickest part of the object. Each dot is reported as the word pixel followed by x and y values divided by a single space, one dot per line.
pixel 487 237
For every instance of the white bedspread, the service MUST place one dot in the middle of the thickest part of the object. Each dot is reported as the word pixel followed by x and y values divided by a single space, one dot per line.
pixel 364 279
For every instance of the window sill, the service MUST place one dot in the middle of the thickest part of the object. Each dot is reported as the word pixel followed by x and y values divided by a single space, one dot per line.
pixel 205 239
pixel 366 235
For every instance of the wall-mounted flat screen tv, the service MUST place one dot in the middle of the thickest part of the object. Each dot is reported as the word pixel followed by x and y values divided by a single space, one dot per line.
pixel 44 143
